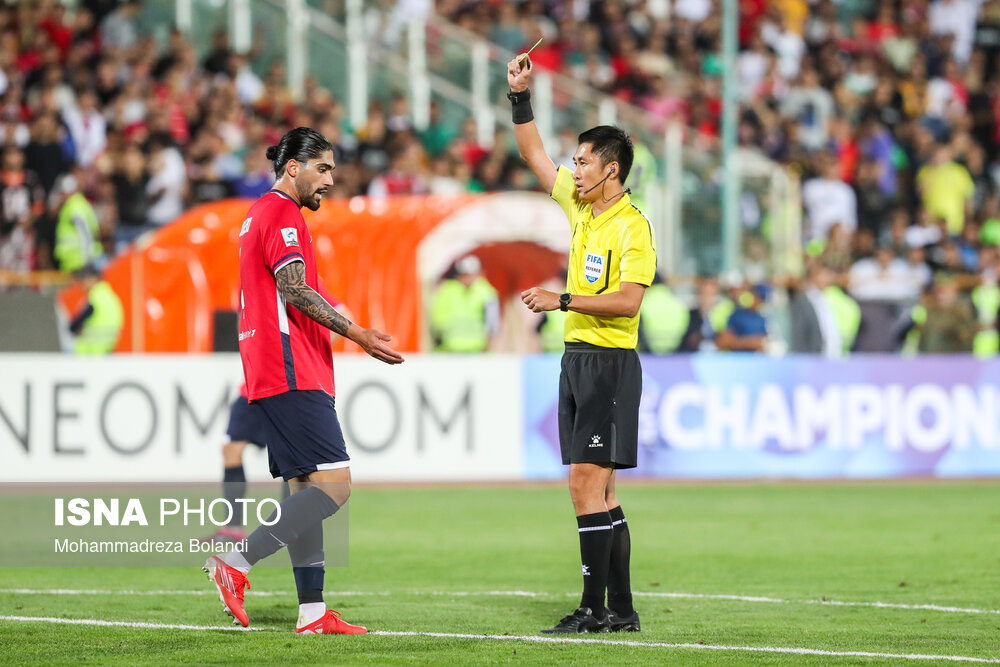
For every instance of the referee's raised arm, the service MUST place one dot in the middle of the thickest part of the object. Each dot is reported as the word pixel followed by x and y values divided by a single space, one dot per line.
pixel 529 142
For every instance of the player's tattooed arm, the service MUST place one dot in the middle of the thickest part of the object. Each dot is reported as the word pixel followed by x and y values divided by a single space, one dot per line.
pixel 291 281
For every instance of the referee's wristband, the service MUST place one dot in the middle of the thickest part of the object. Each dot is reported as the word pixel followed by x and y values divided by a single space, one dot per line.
pixel 520 106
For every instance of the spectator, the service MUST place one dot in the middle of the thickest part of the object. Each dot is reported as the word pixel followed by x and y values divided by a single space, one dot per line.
pixel 118 29
pixel 700 333
pixel 167 183
pixel 829 201
pixel 950 325
pixel 881 278
pixel 814 321
pixel 131 183
pixel 746 330
pixel 44 154
pixel 947 189
pixel 21 201
pixel 87 127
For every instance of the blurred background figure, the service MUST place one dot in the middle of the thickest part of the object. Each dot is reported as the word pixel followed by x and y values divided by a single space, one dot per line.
pixel 663 319
pixel 77 229
pixel 465 309
pixel 824 320
pixel 701 329
pixel 746 328
pixel 98 325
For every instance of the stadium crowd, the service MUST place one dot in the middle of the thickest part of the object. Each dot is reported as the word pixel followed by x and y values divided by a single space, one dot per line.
pixel 888 110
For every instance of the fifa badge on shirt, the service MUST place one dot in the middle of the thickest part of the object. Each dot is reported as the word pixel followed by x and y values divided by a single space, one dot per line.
pixel 593 267
pixel 291 236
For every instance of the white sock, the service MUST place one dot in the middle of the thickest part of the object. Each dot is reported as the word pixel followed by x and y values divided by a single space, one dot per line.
pixel 310 612
pixel 235 559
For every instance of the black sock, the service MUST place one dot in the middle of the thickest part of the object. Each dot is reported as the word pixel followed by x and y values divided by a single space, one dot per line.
pixel 308 561
pixel 299 512
pixel 595 553
pixel 234 485
pixel 619 581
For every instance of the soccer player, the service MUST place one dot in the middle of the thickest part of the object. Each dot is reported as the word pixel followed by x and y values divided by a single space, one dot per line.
pixel 288 367
pixel 611 262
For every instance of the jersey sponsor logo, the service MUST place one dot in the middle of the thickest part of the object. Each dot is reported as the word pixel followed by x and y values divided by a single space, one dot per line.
pixel 290 235
pixel 247 334
pixel 246 226
pixel 595 441
pixel 593 267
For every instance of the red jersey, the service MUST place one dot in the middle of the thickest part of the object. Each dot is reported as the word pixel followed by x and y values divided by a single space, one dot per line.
pixel 282 349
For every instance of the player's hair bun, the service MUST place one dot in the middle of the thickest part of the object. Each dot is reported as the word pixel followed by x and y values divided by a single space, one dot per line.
pixel 272 153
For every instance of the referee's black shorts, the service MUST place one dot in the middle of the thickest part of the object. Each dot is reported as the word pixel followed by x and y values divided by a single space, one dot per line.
pixel 599 392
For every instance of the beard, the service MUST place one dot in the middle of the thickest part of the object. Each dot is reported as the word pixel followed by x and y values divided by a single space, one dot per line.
pixel 310 200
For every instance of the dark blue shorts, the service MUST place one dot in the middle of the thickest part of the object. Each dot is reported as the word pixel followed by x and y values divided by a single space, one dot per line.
pixel 246 423
pixel 303 433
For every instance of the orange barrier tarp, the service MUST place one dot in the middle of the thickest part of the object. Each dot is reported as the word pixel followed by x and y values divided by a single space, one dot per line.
pixel 366 252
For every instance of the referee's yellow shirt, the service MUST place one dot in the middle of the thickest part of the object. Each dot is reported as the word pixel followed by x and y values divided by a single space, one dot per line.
pixel 606 251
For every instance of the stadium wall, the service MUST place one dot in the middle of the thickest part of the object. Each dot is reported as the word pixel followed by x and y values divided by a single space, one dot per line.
pixel 485 418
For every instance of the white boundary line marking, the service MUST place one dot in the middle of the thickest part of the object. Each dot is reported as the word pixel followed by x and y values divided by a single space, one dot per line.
pixel 526 594
pixel 525 638
pixel 127 624
pixel 709 647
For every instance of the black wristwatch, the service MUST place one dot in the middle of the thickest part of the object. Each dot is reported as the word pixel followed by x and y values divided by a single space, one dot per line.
pixel 564 300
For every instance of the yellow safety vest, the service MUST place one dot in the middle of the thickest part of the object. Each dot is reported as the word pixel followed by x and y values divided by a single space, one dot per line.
pixel 552 333
pixel 847 314
pixel 101 330
pixel 458 316
pixel 78 234
pixel 719 315
pixel 987 301
pixel 663 319
pixel 911 345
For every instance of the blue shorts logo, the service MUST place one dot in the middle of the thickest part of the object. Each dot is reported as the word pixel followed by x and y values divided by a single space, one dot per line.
pixel 593 268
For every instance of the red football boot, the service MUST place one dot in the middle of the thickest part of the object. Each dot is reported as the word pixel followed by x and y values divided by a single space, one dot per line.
pixel 230 582
pixel 331 624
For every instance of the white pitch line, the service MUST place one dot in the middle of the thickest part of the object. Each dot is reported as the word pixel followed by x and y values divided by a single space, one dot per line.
pixel 126 624
pixel 793 650
pixel 833 603
pixel 515 593
pixel 709 647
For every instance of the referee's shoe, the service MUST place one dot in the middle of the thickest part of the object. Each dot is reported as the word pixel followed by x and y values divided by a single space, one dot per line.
pixel 579 622
pixel 618 623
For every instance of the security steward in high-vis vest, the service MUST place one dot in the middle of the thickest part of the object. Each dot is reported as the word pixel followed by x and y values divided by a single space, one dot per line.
pixel 78 233
pixel 99 323
pixel 612 261
pixel 465 310
pixel 986 299
pixel 663 319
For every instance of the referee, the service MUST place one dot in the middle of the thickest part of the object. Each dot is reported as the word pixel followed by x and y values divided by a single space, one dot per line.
pixel 612 260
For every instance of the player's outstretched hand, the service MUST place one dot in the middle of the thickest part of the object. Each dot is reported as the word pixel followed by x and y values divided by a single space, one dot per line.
pixel 373 342
pixel 539 300
pixel 518 74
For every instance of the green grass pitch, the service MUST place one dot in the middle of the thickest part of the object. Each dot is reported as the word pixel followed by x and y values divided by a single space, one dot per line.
pixel 504 561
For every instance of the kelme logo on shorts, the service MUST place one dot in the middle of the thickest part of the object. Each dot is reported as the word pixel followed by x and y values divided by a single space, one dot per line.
pixel 593 267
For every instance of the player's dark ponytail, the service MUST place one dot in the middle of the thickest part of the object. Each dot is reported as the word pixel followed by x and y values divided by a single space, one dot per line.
pixel 301 144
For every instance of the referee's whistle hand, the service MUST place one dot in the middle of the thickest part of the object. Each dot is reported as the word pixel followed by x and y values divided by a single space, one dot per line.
pixel 373 342
pixel 518 74
pixel 539 300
